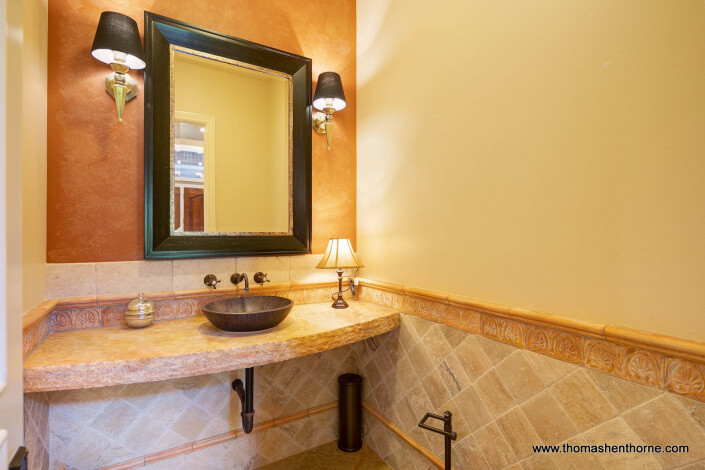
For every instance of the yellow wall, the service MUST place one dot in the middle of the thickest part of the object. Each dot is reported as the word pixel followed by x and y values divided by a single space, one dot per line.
pixel 543 154
pixel 34 151
pixel 251 121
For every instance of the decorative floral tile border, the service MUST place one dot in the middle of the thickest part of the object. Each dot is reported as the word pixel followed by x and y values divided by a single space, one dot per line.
pixel 53 316
pixel 663 362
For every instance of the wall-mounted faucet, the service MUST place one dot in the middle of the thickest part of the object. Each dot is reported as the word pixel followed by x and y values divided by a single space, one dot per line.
pixel 211 281
pixel 261 278
pixel 237 279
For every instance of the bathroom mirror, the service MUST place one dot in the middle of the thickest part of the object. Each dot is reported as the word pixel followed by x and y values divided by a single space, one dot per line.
pixel 227 145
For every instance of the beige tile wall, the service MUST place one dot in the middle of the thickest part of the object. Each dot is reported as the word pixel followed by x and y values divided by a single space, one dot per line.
pixel 36 425
pixel 505 399
pixel 93 428
pixel 86 279
pixel 256 450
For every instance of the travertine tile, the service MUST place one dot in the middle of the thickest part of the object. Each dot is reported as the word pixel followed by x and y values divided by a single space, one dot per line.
pixel 694 409
pixel 70 280
pixel 473 409
pixel 453 375
pixel 494 393
pixel 127 277
pixel 435 389
pixel 582 401
pixel 622 394
pixel 519 377
pixel 302 268
pixel 275 267
pixel 36 416
pixel 419 325
pixel 577 461
pixel 617 432
pixel 495 448
pixel 105 426
pixel 663 422
pixel 495 350
pixel 549 369
pixel 518 433
pixel 467 455
pixel 420 360
pixel 435 344
pixel 540 462
pixel 405 377
pixel 115 418
pixel 548 419
pixel 472 357
pixel 454 336
pixel 695 466
pixel 189 273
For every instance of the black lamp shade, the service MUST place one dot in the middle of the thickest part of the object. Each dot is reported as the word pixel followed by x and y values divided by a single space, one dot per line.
pixel 329 92
pixel 117 32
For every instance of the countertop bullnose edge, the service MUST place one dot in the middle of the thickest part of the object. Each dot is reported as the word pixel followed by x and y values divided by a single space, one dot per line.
pixel 152 369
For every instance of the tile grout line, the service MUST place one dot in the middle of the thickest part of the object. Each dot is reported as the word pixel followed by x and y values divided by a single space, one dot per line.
pixel 228 436
pixel 404 436
pixel 548 389
pixel 581 363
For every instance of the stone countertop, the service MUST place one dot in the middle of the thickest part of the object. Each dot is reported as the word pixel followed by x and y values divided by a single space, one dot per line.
pixel 192 346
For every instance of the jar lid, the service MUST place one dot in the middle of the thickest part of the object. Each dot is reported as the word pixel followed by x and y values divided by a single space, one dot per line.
pixel 141 305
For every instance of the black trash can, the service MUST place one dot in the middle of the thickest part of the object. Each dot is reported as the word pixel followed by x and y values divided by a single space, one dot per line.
pixel 350 412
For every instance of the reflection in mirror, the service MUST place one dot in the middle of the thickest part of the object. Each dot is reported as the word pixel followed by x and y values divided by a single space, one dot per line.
pixel 231 158
pixel 188 177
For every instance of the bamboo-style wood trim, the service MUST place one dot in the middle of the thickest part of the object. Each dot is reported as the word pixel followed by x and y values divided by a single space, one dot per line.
pixel 661 343
pixel 405 437
pixel 35 314
pixel 220 438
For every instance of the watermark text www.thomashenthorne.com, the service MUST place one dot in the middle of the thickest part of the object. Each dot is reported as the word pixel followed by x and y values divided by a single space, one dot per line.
pixel 628 448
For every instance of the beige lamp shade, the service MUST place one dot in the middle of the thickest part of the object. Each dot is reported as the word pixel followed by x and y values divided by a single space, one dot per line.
pixel 339 255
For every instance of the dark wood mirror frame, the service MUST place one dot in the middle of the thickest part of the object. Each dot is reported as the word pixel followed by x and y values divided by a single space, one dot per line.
pixel 159 34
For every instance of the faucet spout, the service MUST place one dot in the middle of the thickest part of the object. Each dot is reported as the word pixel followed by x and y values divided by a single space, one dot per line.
pixel 237 278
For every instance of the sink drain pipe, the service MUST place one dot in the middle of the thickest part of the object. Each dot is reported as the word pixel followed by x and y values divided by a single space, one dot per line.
pixel 245 392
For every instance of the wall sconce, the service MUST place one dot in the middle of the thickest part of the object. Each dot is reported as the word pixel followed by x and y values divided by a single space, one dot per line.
pixel 117 43
pixel 329 98
pixel 339 256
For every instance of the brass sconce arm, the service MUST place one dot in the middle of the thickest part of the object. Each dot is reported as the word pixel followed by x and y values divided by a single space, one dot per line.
pixel 120 86
pixel 323 124
pixel 329 98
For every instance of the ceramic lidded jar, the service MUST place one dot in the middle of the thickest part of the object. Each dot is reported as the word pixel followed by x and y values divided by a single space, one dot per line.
pixel 140 312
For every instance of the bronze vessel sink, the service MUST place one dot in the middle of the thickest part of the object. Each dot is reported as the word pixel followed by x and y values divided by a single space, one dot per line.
pixel 243 314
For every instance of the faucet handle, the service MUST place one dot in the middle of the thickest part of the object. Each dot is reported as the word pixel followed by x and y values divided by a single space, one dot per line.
pixel 211 280
pixel 261 278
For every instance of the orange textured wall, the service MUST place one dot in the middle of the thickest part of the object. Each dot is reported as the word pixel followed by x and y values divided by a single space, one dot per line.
pixel 95 165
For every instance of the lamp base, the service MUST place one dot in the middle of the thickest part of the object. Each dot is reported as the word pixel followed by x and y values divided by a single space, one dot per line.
pixel 340 302
pixel 122 88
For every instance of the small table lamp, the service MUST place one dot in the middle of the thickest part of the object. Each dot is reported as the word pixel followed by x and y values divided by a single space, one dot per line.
pixel 339 255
